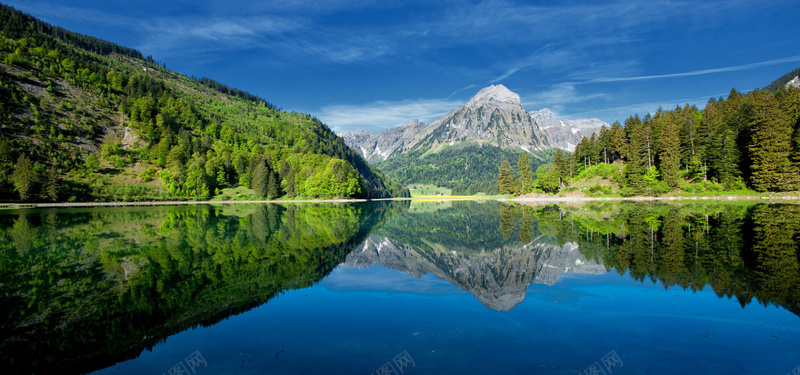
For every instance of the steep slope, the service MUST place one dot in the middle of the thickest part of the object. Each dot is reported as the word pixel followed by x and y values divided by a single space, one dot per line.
pixel 564 134
pixel 85 119
pixel 789 79
pixel 377 148
pixel 463 149
pixel 494 116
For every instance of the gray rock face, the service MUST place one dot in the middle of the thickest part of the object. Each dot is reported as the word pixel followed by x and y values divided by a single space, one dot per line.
pixel 379 147
pixel 565 134
pixel 498 278
pixel 795 82
pixel 494 116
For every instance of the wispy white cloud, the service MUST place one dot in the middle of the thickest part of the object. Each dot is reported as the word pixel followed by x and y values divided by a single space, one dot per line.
pixel 381 115
pixel 467 87
pixel 558 97
pixel 698 72
pixel 620 113
pixel 179 34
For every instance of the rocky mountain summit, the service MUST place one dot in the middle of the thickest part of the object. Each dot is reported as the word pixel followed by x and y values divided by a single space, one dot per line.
pixel 564 134
pixel 795 82
pixel 494 116
pixel 498 278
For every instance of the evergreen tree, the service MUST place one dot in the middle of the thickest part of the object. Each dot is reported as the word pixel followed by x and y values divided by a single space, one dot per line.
pixel 259 177
pixel 636 165
pixel 288 179
pixel 789 98
pixel 24 177
pixel 723 153
pixel 505 178
pixel 273 185
pixel 582 154
pixel 693 142
pixel 562 168
pixel 524 174
pixel 669 150
pixel 770 145
pixel 50 184
pixel 604 148
pixel 618 141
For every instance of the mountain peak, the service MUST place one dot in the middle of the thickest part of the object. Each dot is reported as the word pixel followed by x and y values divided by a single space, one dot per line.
pixel 543 116
pixel 498 93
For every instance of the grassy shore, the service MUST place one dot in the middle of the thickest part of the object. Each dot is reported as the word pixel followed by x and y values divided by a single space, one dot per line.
pixel 790 196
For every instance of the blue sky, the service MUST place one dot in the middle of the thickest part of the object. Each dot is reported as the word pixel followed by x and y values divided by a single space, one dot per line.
pixel 373 65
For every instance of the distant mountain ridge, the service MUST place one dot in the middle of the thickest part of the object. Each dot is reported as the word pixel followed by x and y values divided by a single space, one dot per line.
pixel 565 134
pixel 789 79
pixel 494 116
pixel 463 149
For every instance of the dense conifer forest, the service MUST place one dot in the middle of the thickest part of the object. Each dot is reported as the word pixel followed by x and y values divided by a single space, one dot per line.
pixel 747 141
pixel 82 119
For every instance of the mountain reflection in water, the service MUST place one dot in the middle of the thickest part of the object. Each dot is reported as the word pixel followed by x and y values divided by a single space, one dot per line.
pixel 83 289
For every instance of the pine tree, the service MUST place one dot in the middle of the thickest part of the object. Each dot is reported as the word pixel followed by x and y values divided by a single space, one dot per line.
pixel 669 151
pixel 604 148
pixel 636 165
pixel 24 177
pixel 582 155
pixel 273 185
pixel 723 153
pixel 259 178
pixel 562 168
pixel 288 179
pixel 525 174
pixel 618 140
pixel 693 142
pixel 789 98
pixel 50 184
pixel 770 147
pixel 506 178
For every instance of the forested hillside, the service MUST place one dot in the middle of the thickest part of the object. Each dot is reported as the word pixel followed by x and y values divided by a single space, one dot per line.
pixel 745 141
pixel 467 169
pixel 85 119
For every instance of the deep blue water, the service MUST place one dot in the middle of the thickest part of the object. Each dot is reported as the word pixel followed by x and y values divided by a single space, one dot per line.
pixel 353 322
pixel 399 288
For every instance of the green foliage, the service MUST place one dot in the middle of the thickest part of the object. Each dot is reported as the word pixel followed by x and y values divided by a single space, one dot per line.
pixel 505 178
pixel 769 147
pixel 466 167
pixel 547 178
pixel 524 174
pixel 92 287
pixel 744 141
pixel 742 252
pixel 199 136
pixel 92 163
pixel 24 177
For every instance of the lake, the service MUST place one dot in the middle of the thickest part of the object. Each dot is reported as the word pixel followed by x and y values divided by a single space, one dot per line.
pixel 402 288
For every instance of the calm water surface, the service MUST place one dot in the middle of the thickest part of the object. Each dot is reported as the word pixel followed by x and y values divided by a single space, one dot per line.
pixel 400 288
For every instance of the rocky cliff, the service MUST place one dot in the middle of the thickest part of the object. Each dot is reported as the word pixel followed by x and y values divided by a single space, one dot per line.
pixel 564 134
pixel 494 116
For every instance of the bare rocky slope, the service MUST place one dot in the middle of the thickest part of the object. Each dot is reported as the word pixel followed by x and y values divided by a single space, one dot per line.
pixel 494 116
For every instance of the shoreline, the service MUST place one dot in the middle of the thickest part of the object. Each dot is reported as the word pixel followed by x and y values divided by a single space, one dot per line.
pixel 522 199
pixel 726 198
pixel 164 203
